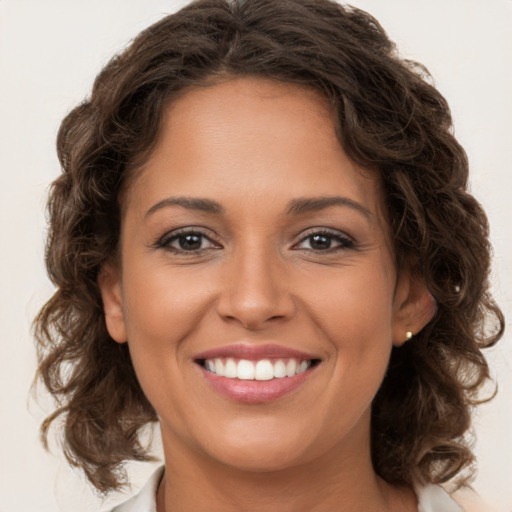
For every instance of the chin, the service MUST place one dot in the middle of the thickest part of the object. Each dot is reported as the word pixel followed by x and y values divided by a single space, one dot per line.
pixel 258 458
pixel 260 446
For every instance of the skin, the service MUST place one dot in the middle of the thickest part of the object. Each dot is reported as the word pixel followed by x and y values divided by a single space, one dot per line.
pixel 254 146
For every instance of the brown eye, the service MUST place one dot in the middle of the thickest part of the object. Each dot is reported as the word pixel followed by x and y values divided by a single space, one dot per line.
pixel 186 242
pixel 325 241
pixel 191 242
pixel 320 242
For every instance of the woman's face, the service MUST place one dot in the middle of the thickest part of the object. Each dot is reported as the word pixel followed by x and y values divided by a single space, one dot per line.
pixel 254 248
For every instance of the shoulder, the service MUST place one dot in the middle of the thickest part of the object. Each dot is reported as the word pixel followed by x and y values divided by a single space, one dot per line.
pixel 145 499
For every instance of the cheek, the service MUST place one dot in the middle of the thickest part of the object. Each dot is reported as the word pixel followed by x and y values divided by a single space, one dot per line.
pixel 160 303
pixel 355 306
pixel 161 309
pixel 354 314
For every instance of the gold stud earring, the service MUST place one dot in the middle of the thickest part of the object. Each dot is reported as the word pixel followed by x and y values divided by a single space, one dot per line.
pixel 408 335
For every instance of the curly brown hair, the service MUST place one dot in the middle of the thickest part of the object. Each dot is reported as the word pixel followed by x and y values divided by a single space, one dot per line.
pixel 389 118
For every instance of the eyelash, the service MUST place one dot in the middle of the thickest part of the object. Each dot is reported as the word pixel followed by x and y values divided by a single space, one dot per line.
pixel 166 241
pixel 344 242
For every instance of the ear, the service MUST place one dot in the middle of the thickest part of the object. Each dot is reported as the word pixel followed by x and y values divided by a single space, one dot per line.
pixel 109 281
pixel 414 307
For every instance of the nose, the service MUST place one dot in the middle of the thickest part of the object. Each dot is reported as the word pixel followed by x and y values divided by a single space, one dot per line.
pixel 255 292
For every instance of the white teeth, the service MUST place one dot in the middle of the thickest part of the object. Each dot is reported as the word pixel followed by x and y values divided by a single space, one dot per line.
pixel 219 367
pixel 264 369
pixel 279 369
pixel 245 370
pixel 230 370
pixel 302 367
pixel 291 366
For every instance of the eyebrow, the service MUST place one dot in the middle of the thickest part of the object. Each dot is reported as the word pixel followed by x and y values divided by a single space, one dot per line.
pixel 313 204
pixel 191 203
pixel 295 207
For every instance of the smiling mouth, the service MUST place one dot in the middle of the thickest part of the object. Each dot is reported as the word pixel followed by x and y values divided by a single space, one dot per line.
pixel 258 370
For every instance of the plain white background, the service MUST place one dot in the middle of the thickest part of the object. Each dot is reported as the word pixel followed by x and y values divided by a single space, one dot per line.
pixel 50 52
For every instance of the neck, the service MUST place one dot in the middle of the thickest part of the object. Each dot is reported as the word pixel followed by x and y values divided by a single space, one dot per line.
pixel 341 480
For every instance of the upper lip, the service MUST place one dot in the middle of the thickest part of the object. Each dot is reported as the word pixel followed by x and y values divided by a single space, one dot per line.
pixel 255 352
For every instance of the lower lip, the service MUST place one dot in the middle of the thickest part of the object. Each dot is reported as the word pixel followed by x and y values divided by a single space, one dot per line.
pixel 255 391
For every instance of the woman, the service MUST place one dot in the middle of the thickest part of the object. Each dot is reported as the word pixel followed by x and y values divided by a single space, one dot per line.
pixel 262 238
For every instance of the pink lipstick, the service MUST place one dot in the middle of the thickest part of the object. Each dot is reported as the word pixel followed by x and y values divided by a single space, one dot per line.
pixel 256 373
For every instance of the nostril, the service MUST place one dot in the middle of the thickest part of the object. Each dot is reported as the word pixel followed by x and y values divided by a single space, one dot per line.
pixel 255 311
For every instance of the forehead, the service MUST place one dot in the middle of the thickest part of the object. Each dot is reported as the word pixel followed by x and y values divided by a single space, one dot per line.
pixel 252 138
pixel 251 96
